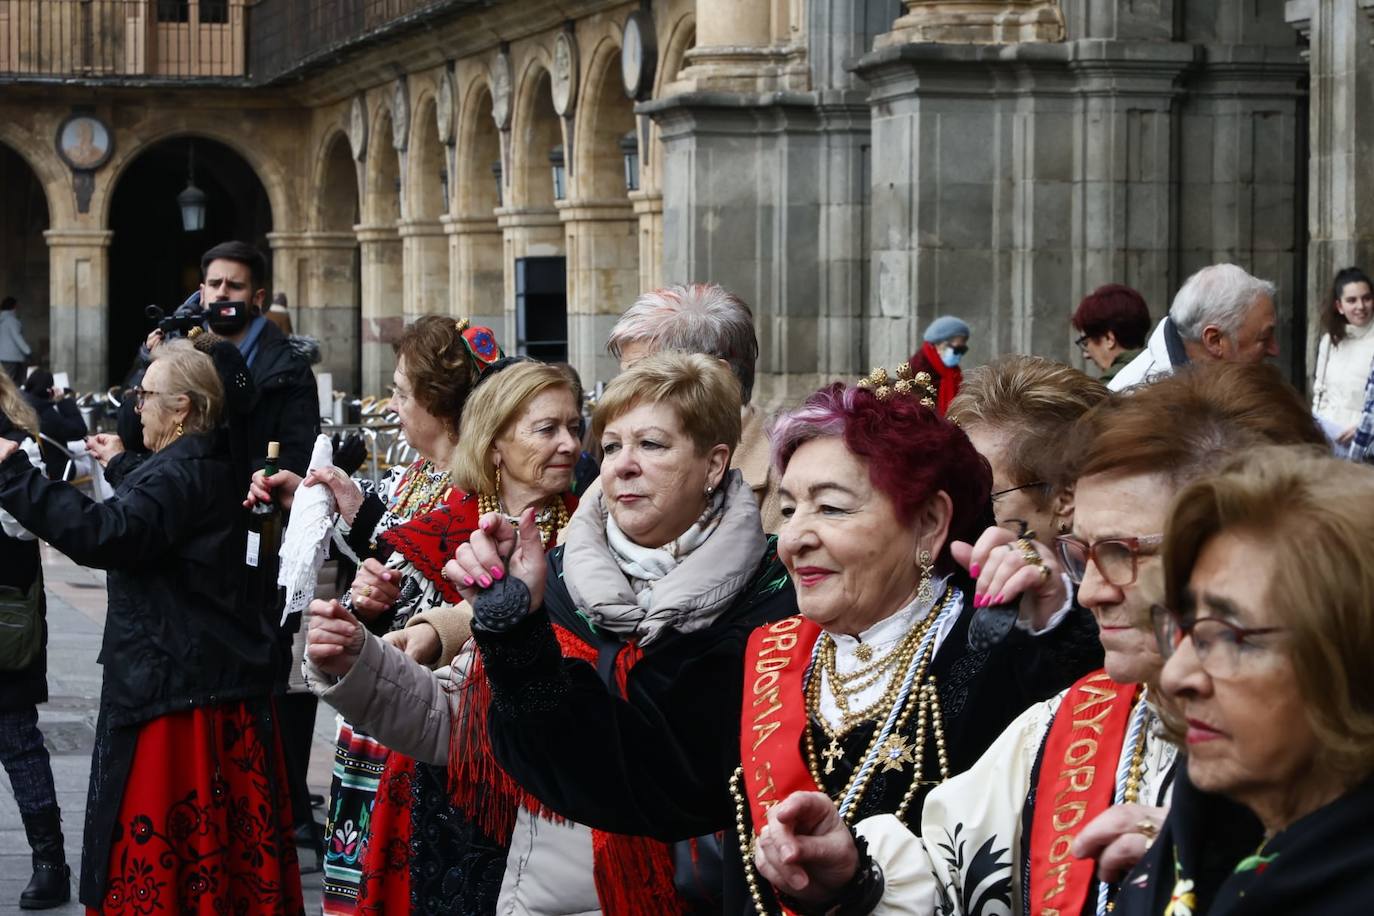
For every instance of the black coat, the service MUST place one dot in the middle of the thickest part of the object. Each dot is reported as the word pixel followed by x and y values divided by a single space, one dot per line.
pixel 60 421
pixel 172 540
pixel 20 567
pixel 288 403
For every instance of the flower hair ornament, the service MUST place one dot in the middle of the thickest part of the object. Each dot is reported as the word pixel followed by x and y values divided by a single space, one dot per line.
pixel 884 386
pixel 480 343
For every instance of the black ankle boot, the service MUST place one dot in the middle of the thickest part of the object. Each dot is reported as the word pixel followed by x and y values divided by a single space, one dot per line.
pixel 51 884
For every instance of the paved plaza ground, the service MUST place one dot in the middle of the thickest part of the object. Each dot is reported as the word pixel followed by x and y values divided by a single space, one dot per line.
pixel 76 617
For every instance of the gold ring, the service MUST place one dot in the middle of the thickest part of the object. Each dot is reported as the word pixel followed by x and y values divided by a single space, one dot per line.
pixel 367 591
pixel 1029 553
pixel 1148 829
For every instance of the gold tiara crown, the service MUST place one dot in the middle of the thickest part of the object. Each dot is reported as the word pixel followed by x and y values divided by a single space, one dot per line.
pixel 884 386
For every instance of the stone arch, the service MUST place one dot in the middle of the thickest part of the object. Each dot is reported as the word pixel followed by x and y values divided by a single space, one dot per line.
pixel 335 186
pixel 25 215
pixel 46 167
pixel 680 37
pixel 479 148
pixel 535 131
pixel 153 258
pixel 271 173
pixel 606 116
pixel 426 159
pixel 381 197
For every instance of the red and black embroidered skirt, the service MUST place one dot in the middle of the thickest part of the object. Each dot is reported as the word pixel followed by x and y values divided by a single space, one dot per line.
pixel 204 823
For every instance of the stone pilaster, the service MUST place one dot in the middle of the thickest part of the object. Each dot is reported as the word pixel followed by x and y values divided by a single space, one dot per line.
pixel 602 244
pixel 425 274
pixel 1340 196
pixel 318 271
pixel 382 308
pixel 476 278
pixel 976 22
pixel 765 195
pixel 79 283
pixel 649 209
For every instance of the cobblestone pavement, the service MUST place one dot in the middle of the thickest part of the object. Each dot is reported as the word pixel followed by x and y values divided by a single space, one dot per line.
pixel 76 617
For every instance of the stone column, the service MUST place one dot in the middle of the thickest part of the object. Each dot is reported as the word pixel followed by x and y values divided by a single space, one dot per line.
pixel 1340 196
pixel 78 296
pixel 318 271
pixel 424 268
pixel 476 279
pixel 382 310
pixel 976 22
pixel 745 46
pixel 602 244
pixel 526 232
pixel 764 194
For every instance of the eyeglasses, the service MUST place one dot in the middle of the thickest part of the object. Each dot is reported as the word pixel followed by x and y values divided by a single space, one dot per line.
pixel 1082 342
pixel 141 395
pixel 1221 646
pixel 960 350
pixel 1117 559
pixel 1024 486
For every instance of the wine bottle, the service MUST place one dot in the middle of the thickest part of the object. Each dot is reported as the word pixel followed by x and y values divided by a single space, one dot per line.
pixel 264 544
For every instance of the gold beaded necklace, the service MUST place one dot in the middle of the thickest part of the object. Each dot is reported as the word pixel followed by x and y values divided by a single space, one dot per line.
pixel 551 519
pixel 895 751
pixel 1135 775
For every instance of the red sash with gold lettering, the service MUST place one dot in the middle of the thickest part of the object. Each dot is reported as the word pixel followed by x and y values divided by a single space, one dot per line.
pixel 773 719
pixel 1077 783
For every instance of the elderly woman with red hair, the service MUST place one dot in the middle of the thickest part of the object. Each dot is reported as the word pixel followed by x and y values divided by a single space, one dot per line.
pixel 873 694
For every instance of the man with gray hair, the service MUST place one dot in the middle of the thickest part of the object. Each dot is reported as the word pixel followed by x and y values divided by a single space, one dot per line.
pixel 706 318
pixel 1221 313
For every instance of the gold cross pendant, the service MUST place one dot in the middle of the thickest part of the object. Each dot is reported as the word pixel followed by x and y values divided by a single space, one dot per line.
pixel 831 754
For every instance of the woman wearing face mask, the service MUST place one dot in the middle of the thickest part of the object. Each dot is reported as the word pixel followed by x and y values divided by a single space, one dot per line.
pixel 944 344
pixel 1344 356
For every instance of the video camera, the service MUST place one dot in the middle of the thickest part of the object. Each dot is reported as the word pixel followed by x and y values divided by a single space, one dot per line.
pixel 193 314
pixel 178 324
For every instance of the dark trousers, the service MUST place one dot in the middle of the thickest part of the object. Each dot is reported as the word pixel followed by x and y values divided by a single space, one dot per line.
pixel 26 761
pixel 14 371
pixel 296 722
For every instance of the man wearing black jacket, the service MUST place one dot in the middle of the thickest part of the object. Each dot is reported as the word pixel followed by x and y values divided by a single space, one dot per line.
pixel 288 407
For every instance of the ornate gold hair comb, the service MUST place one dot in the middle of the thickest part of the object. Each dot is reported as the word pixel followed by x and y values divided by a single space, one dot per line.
pixel 461 325
pixel 882 385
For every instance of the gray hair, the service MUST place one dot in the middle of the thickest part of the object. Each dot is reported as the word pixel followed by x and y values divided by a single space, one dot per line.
pixel 1219 295
pixel 697 318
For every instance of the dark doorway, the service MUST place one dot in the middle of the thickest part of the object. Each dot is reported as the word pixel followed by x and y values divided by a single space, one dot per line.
pixel 23 250
pixel 541 309
pixel 153 261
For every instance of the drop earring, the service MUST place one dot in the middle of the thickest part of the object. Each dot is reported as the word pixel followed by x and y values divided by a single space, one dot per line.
pixel 180 429
pixel 925 593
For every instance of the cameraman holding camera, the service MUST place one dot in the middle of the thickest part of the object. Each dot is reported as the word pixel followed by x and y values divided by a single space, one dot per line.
pixel 286 408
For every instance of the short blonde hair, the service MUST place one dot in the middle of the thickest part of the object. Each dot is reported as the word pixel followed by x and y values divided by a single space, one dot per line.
pixel 493 405
pixel 703 392
pixel 192 373
pixel 1035 402
pixel 1317 515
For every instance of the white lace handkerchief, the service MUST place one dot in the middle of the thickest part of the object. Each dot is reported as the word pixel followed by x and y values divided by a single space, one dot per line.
pixel 306 542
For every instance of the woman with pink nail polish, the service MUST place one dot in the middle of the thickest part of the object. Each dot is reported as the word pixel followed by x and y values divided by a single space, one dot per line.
pixel 517 444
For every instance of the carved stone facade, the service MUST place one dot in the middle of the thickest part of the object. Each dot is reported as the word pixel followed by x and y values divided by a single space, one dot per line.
pixel 851 167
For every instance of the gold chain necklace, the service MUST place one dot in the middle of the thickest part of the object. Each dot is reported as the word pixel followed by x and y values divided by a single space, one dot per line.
pixel 896 751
